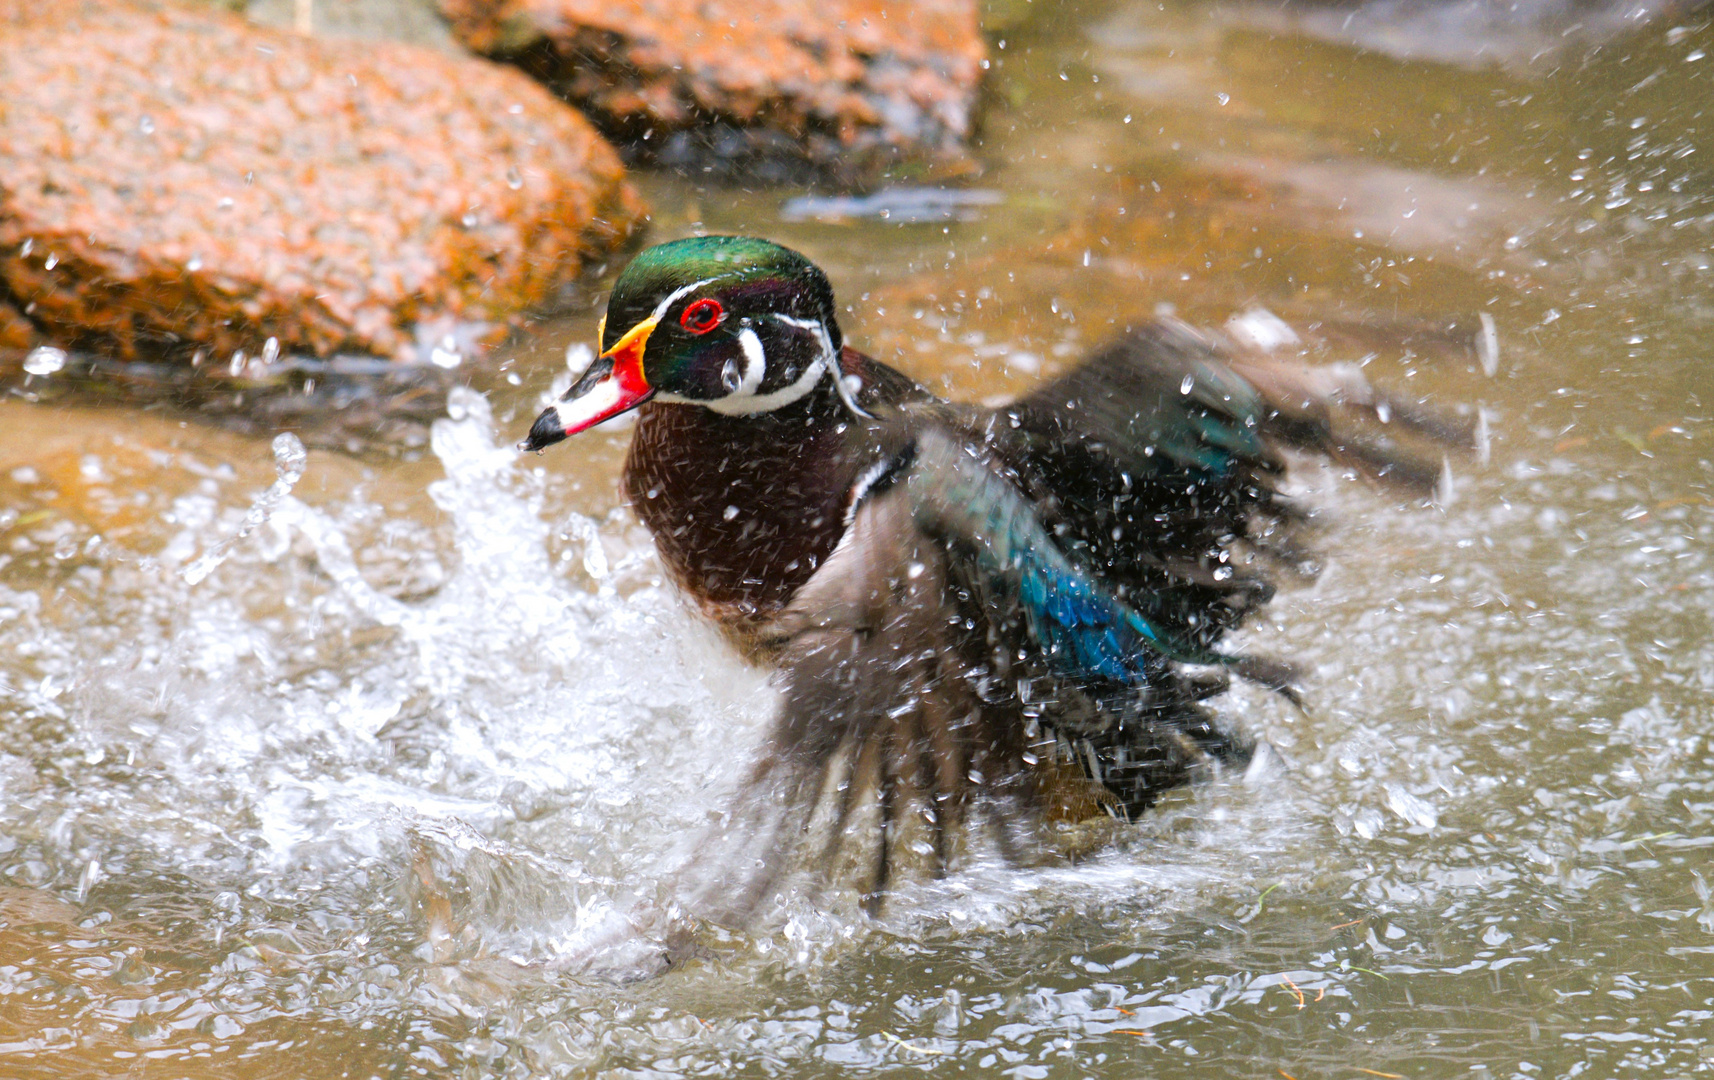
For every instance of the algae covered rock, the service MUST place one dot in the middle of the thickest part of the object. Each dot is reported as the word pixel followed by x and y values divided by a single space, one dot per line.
pixel 758 89
pixel 174 179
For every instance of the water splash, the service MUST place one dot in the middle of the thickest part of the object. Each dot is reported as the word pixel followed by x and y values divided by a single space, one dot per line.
pixel 290 460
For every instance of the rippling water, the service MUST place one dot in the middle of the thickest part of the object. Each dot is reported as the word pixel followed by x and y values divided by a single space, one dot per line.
pixel 385 769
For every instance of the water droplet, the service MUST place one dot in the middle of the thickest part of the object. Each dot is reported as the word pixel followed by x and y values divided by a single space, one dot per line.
pixel 1488 345
pixel 270 350
pixel 290 458
pixel 445 353
pixel 52 261
pixel 578 357
pixel 514 178
pixel 146 125
pixel 1186 386
pixel 44 360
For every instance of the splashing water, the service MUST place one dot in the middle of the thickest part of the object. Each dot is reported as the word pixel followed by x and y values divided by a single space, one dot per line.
pixel 289 727
pixel 289 460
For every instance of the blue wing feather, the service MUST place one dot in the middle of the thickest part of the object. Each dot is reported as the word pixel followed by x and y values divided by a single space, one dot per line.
pixel 1082 626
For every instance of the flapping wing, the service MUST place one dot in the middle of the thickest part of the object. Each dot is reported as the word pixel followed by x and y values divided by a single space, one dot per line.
pixel 1164 399
pixel 1022 587
pixel 1159 461
pixel 879 703
pixel 937 656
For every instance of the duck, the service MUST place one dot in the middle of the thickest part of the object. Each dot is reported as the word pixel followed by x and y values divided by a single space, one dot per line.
pixel 1006 614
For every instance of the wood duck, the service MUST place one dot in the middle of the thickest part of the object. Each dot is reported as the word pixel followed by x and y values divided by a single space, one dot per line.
pixel 965 604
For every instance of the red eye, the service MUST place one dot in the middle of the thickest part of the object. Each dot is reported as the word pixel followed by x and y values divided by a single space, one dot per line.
pixel 702 316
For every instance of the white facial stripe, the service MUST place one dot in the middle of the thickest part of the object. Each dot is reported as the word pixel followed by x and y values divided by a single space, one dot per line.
pixel 741 403
pixel 846 385
pixel 755 361
pixel 661 308
pixel 744 400
pixel 819 329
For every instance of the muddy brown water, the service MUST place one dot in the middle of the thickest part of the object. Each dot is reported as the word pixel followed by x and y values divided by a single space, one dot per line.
pixel 375 794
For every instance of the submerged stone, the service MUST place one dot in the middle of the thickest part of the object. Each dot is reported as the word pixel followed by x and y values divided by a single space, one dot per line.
pixel 174 180
pixel 767 89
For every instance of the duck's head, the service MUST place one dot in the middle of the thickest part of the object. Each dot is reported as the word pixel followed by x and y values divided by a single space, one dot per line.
pixel 729 323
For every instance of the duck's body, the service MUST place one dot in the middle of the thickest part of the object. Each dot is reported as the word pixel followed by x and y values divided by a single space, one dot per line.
pixel 956 596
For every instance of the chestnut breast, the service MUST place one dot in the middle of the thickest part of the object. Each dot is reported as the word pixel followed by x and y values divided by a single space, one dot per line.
pixel 743 508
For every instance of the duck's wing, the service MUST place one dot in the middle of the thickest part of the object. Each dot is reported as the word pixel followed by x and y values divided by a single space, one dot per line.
pixel 1026 584
pixel 944 647
pixel 1165 398
pixel 1159 460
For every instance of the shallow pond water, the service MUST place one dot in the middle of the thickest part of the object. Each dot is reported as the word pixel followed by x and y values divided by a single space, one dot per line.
pixel 366 771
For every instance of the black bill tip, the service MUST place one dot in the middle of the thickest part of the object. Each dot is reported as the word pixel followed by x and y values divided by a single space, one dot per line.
pixel 546 431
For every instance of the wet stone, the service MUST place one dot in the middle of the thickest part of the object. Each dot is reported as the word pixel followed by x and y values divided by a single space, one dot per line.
pixel 176 179
pixel 15 330
pixel 768 90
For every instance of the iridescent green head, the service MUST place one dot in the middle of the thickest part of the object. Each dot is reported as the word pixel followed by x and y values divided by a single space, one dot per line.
pixel 729 323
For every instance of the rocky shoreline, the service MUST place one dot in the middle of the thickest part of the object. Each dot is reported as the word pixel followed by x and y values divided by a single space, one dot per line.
pixel 182 187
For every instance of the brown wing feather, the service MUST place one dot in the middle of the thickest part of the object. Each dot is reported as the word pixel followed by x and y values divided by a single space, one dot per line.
pixel 880 673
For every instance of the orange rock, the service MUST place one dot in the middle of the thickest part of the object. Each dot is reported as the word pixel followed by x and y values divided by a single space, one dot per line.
pixel 173 178
pixel 750 86
pixel 15 330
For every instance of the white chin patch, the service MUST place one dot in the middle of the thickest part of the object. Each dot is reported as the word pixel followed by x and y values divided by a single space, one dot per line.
pixel 579 413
